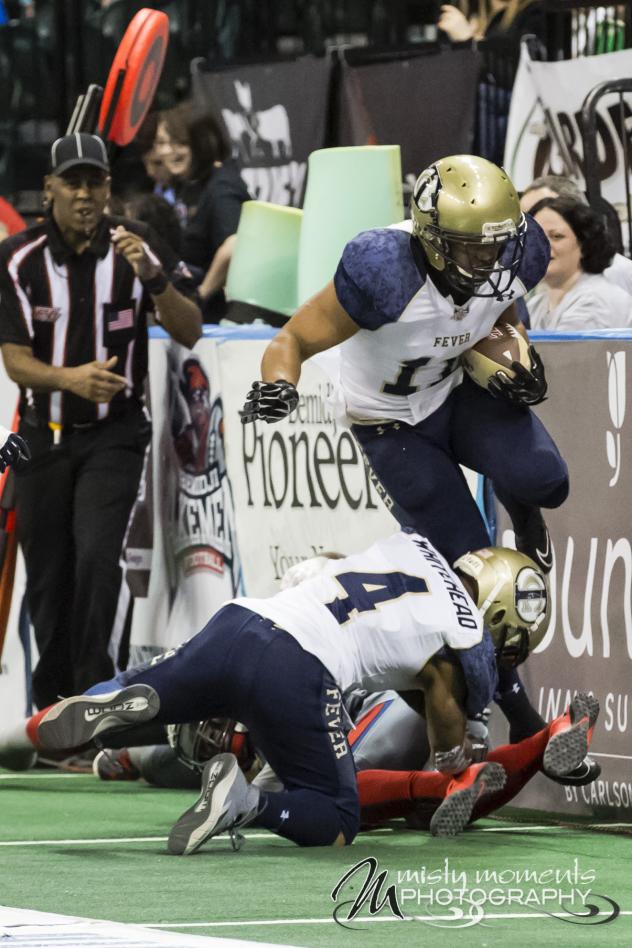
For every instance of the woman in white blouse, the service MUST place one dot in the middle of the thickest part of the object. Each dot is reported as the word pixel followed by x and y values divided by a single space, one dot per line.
pixel 573 294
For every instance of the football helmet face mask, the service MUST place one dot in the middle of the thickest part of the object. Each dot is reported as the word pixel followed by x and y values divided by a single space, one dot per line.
pixel 195 744
pixel 466 213
pixel 513 597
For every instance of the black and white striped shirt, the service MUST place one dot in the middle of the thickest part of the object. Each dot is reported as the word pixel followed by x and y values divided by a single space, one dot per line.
pixel 74 308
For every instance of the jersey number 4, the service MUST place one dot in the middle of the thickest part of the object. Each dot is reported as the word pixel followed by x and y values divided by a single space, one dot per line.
pixel 367 591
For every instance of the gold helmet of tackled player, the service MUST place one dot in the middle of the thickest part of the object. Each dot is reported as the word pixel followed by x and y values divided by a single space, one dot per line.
pixel 513 597
pixel 466 213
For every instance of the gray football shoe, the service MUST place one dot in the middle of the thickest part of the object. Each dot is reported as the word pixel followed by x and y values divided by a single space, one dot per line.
pixel 226 803
pixel 75 722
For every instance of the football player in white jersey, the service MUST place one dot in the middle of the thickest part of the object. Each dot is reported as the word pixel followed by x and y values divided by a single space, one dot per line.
pixel 394 616
pixel 407 302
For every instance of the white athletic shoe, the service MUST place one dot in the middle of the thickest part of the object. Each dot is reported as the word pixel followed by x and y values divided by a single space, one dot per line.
pixel 227 802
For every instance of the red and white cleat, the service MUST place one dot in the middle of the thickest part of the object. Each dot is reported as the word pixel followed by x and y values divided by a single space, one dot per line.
pixel 455 811
pixel 570 736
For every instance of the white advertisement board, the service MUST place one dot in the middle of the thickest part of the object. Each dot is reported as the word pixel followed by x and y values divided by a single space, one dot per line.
pixel 544 133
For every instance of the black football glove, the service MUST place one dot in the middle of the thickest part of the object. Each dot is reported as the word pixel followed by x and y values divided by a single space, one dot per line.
pixel 527 388
pixel 269 401
pixel 15 452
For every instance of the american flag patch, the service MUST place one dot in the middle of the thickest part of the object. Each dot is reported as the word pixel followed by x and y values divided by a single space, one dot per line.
pixel 121 319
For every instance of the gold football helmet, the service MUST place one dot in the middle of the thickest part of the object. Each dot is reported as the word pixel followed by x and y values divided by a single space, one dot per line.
pixel 513 597
pixel 466 213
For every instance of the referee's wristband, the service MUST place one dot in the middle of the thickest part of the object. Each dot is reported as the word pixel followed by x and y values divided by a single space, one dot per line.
pixel 157 284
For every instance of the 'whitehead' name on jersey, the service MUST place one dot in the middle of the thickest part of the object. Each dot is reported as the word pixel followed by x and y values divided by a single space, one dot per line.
pixel 405 360
pixel 376 618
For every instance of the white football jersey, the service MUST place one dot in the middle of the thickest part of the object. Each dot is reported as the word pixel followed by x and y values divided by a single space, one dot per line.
pixel 374 619
pixel 405 360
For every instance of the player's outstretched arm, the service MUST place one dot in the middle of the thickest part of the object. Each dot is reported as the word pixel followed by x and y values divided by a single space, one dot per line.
pixel 319 324
pixel 444 692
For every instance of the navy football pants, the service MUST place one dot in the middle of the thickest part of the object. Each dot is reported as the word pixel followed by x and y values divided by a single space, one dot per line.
pixel 419 466
pixel 242 666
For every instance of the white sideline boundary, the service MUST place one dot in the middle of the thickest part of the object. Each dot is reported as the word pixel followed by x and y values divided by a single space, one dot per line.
pixel 104 840
pixel 362 920
pixel 26 929
pixel 22 775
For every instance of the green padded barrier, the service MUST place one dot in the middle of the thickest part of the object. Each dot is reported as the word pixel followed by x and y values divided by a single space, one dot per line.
pixel 348 190
pixel 263 268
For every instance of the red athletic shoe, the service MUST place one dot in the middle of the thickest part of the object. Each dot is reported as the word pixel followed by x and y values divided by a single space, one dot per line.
pixel 463 792
pixel 570 736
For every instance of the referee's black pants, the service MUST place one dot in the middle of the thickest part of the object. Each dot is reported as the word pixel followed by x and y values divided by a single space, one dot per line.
pixel 73 504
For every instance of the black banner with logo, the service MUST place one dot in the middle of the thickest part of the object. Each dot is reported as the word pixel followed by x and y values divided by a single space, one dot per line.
pixel 275 115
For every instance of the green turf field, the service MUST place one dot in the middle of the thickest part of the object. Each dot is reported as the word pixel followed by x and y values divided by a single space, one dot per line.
pixel 72 845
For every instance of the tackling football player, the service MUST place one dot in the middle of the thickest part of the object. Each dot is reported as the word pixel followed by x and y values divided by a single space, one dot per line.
pixel 394 616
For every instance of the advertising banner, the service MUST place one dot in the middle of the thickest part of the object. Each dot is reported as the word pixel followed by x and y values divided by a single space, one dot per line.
pixel 275 115
pixel 300 486
pixel 588 646
pixel 181 550
pixel 544 131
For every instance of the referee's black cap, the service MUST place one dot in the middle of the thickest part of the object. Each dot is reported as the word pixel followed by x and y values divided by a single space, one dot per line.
pixel 78 149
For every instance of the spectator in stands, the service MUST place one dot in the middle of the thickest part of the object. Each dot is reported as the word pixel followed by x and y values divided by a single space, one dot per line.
pixel 209 193
pixel 153 164
pixel 574 295
pixel 493 18
pixel 558 185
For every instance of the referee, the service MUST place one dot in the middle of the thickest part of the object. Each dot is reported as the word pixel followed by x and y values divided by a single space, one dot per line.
pixel 76 292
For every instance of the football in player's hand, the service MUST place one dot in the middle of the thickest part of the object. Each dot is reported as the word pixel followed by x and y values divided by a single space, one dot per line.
pixel 496 352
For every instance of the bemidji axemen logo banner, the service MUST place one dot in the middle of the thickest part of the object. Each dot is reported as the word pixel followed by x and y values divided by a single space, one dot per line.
pixel 191 555
pixel 588 646
pixel 275 116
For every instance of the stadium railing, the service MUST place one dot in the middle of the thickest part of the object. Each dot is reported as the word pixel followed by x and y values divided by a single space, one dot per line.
pixel 620 113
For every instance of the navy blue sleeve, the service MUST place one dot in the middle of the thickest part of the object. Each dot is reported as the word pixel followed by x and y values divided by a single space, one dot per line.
pixel 481 674
pixel 377 277
pixel 537 254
